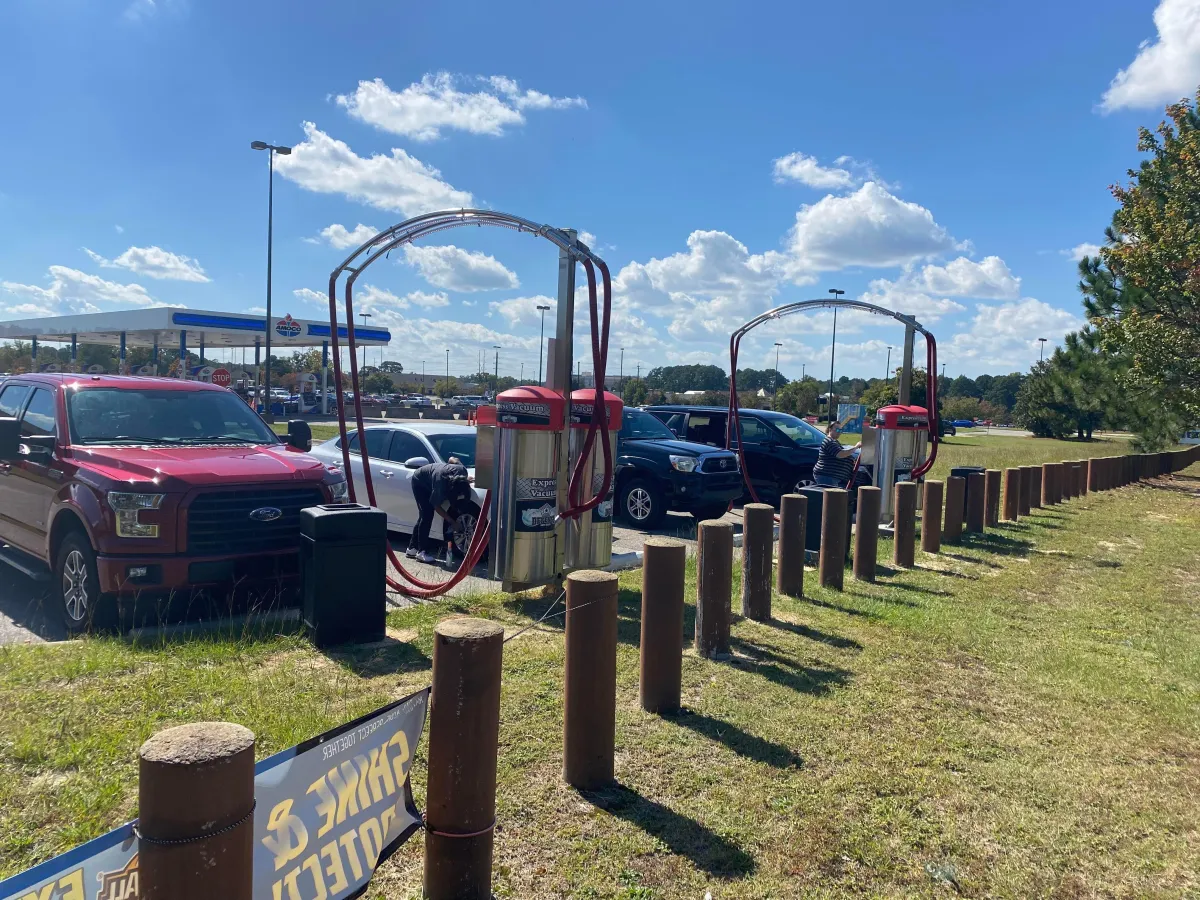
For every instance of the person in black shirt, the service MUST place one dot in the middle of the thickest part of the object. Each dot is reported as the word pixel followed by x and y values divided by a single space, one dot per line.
pixel 835 462
pixel 436 487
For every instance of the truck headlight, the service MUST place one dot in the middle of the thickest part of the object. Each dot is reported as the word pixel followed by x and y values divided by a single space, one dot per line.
pixel 339 491
pixel 128 506
pixel 683 463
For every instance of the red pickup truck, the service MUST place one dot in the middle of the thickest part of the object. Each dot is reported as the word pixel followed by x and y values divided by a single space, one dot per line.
pixel 118 486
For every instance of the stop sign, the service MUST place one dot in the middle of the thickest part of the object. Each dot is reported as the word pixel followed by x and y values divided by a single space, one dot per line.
pixel 221 377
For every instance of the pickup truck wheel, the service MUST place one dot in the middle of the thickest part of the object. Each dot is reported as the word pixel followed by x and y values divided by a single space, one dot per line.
pixel 641 504
pixel 76 587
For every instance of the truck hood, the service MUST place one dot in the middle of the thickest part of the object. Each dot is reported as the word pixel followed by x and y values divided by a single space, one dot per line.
pixel 180 468
pixel 679 448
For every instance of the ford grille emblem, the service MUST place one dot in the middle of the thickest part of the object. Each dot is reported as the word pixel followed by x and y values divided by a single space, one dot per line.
pixel 266 514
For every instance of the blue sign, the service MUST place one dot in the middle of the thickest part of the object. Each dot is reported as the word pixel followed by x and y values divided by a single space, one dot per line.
pixel 328 812
pixel 851 417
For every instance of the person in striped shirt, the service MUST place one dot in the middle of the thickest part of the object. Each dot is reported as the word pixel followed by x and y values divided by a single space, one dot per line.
pixel 834 462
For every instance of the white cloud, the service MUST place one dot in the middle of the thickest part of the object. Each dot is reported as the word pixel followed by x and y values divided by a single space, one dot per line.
pixel 524 310
pixel 807 170
pixel 455 269
pixel 72 291
pixel 154 262
pixel 316 298
pixel 371 298
pixel 398 183
pixel 870 227
pixel 341 238
pixel 990 279
pixel 120 230
pixel 1167 69
pixel 1005 337
pixel 425 107
pixel 903 297
pixel 1079 251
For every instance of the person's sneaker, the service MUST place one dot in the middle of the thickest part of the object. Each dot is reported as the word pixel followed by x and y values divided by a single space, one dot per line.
pixel 426 558
pixel 411 553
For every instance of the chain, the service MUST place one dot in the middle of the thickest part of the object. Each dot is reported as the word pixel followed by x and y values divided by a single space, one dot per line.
pixel 200 837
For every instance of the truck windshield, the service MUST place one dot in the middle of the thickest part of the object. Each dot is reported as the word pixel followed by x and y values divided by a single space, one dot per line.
pixel 123 416
pixel 641 426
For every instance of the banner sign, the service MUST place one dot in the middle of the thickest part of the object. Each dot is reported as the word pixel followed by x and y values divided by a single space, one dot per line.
pixel 851 416
pixel 1191 436
pixel 328 812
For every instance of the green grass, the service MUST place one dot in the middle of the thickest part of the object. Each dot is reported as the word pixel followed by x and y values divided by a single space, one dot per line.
pixel 1017 717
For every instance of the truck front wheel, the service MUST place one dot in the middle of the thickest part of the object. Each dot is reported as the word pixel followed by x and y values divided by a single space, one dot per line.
pixel 77 587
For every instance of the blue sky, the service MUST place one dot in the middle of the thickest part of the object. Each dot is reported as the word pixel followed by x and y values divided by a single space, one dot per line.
pixel 945 159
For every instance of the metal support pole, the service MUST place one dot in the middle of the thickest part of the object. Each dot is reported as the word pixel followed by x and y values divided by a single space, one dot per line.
pixel 33 353
pixel 270 242
pixel 75 351
pixel 1012 494
pixel 121 357
pixel 991 488
pixel 153 355
pixel 956 491
pixel 183 353
pixel 866 533
pixel 257 367
pixel 789 573
pixel 904 533
pixel 832 355
pixel 714 586
pixel 664 562
pixel 931 516
pixel 194 781
pixel 758 544
pixel 324 378
pixel 835 514
pixel 202 348
pixel 590 684
pixel 559 379
pixel 464 727
pixel 976 502
pixel 905 394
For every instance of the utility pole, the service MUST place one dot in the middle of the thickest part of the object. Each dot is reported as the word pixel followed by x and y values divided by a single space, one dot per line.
pixel 424 387
pixel 364 317
pixel 541 341
pixel 447 367
pixel 833 349
pixel 496 376
pixel 775 375
pixel 621 376
pixel 639 372
pixel 887 372
pixel 1041 348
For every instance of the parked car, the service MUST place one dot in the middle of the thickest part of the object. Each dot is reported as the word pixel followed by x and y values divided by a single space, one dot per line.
pixel 963 423
pixel 656 473
pixel 780 449
pixel 396 451
pixel 946 427
pixel 417 402
pixel 140 485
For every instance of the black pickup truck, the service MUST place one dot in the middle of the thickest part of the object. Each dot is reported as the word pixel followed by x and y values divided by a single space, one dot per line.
pixel 656 473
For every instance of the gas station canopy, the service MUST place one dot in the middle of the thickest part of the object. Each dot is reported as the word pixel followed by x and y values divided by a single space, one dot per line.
pixel 167 326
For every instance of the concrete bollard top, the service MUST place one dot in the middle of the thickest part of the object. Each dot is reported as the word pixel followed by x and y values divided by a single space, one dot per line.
pixel 714 524
pixel 466 628
pixel 759 506
pixel 658 540
pixel 197 743
pixel 592 576
pixel 872 489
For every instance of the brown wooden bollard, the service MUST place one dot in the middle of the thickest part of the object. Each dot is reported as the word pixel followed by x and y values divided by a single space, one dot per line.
pixel 1080 472
pixel 835 516
pixel 1012 494
pixel 664 561
pixel 464 728
pixel 789 570
pixel 1093 474
pixel 956 489
pixel 1048 484
pixel 931 516
pixel 976 502
pixel 197 780
pixel 1059 487
pixel 1035 496
pixel 904 536
pixel 1024 504
pixel 1069 483
pixel 758 545
pixel 1108 477
pixel 590 685
pixel 991 490
pixel 866 533
pixel 714 585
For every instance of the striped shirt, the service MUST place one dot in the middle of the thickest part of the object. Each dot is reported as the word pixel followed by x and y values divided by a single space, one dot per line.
pixel 829 466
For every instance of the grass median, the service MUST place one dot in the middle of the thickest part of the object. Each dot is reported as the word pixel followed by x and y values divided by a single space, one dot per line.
pixel 1015 717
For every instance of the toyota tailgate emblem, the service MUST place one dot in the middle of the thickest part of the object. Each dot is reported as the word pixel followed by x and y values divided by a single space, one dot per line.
pixel 266 514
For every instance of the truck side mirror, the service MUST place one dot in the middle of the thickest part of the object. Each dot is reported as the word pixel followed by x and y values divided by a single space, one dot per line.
pixel 39 445
pixel 299 435
pixel 10 439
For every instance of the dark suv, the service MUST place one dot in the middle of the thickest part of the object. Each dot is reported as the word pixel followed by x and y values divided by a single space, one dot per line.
pixel 657 472
pixel 780 450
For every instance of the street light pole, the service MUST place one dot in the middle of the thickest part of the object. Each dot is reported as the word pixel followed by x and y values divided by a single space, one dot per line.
pixel 621 375
pixel 447 367
pixel 496 376
pixel 364 317
pixel 541 341
pixel 887 372
pixel 271 151
pixel 833 350
pixel 424 386
pixel 1041 348
pixel 775 376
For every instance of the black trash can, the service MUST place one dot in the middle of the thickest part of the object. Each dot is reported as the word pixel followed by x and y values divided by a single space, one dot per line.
pixel 343 566
pixel 962 472
pixel 812 524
